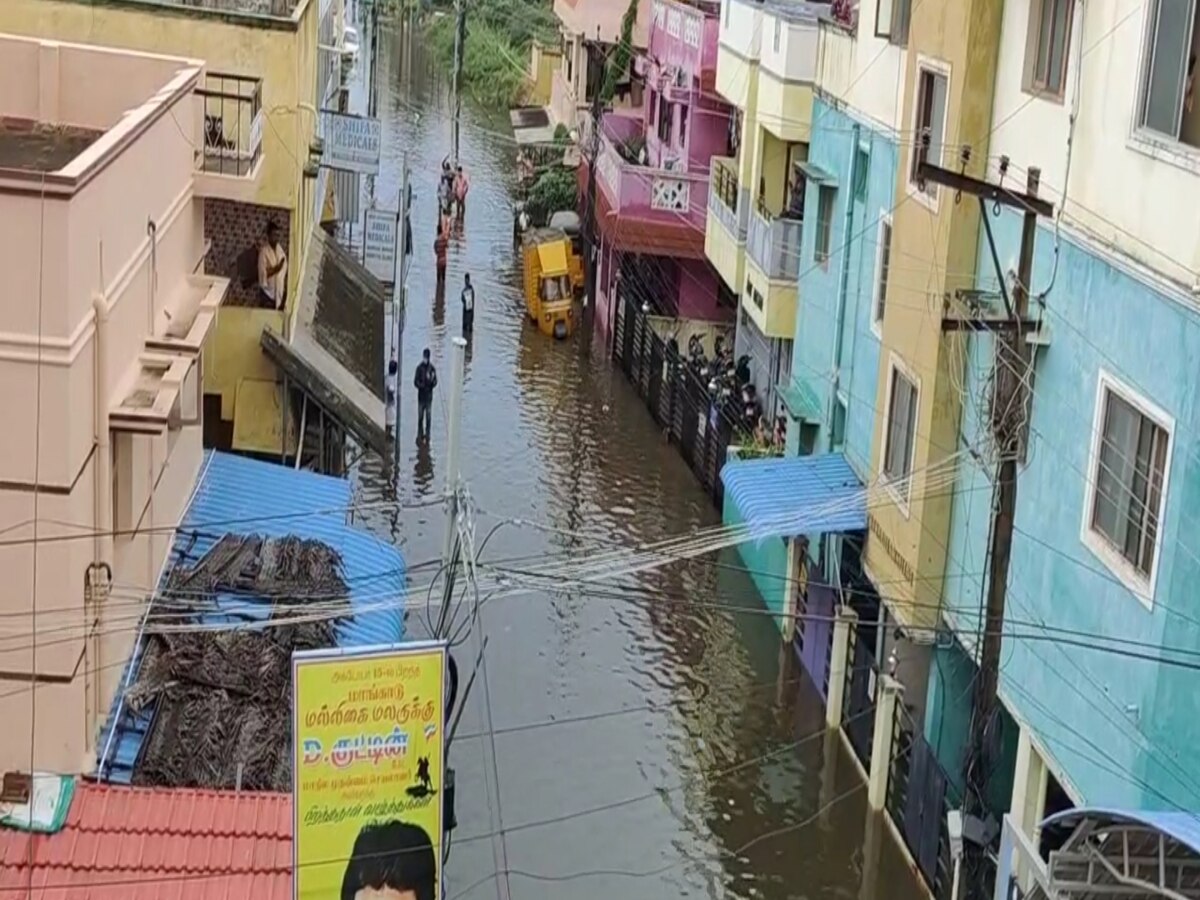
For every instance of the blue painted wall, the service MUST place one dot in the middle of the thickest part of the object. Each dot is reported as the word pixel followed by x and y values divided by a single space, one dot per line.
pixel 1123 731
pixel 833 146
pixel 765 559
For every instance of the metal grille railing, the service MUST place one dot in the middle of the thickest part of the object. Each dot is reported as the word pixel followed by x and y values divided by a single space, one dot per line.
pixel 233 123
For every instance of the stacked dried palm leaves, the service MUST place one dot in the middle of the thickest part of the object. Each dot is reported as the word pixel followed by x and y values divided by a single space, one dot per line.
pixel 222 699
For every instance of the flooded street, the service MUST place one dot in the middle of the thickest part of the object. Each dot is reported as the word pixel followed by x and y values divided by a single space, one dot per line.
pixel 647 737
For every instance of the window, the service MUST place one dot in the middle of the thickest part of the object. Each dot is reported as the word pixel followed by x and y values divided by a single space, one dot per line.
pixel 569 60
pixel 883 259
pixel 1049 46
pixel 862 163
pixel 665 112
pixel 837 429
pixel 683 123
pixel 1167 102
pixel 891 20
pixel 930 119
pixel 778 33
pixel 900 431
pixel 1127 492
pixel 824 223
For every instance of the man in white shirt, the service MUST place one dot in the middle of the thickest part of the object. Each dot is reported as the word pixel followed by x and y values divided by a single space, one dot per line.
pixel 272 268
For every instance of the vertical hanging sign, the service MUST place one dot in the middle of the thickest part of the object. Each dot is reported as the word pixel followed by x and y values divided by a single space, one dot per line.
pixel 368 764
pixel 379 244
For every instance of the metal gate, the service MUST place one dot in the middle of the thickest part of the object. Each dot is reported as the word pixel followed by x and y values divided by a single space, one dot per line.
pixel 859 708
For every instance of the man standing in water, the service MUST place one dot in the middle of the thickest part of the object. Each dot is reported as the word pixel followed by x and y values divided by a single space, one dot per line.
pixel 425 380
pixel 461 186
pixel 440 246
pixel 468 306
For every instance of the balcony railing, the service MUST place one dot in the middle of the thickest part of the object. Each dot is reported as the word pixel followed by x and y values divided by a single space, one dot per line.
pixel 774 244
pixel 650 194
pixel 725 199
pixel 233 123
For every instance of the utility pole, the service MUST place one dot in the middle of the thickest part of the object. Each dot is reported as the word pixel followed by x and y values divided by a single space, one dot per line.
pixel 400 301
pixel 589 218
pixel 1010 404
pixel 460 50
pixel 453 438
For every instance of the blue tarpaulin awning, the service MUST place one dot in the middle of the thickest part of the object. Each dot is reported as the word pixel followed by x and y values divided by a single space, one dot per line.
pixel 816 494
pixel 241 496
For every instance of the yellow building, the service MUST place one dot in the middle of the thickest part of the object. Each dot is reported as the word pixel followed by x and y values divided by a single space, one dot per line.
pixel 950 73
pixel 766 65
pixel 271 65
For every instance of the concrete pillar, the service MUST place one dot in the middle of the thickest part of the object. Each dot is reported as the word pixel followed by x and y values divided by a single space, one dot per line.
pixel 838 663
pixel 787 621
pixel 831 752
pixel 868 886
pixel 1028 796
pixel 889 693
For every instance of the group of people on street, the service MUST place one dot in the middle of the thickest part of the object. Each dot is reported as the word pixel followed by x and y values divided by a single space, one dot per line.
pixel 452 196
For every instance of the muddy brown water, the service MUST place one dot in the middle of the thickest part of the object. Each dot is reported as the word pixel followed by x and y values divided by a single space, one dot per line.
pixel 651 737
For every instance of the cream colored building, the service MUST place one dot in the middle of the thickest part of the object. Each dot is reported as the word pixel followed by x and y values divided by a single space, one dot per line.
pixel 102 334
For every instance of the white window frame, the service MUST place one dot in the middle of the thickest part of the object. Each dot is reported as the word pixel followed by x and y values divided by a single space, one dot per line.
pixel 1033 38
pixel 1145 134
pixel 885 221
pixel 1139 585
pixel 937 142
pixel 896 364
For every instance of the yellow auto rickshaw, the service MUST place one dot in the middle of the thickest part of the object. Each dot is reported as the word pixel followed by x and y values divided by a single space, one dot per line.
pixel 549 287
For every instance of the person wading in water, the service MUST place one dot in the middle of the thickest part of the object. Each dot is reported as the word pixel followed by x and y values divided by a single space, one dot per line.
pixel 425 380
pixel 468 307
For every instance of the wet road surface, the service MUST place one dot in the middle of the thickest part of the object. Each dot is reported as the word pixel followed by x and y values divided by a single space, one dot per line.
pixel 644 745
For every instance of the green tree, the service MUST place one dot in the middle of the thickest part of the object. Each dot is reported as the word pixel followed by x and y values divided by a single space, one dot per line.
pixel 556 189
pixel 618 62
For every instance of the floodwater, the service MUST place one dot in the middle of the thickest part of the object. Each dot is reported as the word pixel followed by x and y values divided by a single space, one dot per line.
pixel 645 737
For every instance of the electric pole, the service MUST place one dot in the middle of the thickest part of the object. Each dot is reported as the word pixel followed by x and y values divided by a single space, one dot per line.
pixel 589 209
pixel 460 50
pixel 1012 367
pixel 453 441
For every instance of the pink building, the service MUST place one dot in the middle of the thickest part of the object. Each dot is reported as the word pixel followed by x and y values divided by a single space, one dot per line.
pixel 101 333
pixel 652 174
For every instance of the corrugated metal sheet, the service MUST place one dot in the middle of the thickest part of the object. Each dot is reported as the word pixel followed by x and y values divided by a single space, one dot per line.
pixel 1182 826
pixel 237 495
pixel 815 494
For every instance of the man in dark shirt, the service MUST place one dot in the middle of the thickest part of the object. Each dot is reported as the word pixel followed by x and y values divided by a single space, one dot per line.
pixel 468 306
pixel 424 381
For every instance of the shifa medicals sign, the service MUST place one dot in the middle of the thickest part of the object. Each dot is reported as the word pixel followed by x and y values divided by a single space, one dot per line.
pixel 368 764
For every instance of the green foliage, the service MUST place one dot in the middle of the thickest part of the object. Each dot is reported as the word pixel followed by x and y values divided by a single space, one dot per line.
pixel 492 72
pixel 555 190
pixel 562 134
pixel 499 34
pixel 618 63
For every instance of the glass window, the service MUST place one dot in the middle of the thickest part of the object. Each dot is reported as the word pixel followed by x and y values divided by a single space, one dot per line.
pixel 824 222
pixel 901 431
pixel 930 120
pixel 1050 36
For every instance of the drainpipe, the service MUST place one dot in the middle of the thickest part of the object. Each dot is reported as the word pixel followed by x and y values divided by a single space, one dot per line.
pixel 843 284
pixel 102 552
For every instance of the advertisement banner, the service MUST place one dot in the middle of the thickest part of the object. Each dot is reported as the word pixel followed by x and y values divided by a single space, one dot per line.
pixel 352 143
pixel 367 770
pixel 379 244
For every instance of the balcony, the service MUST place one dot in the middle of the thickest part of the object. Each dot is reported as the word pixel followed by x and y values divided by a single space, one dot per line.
pixel 647 209
pixel 725 228
pixel 683 39
pixel 230 165
pixel 835 58
pixel 773 243
pixel 787 71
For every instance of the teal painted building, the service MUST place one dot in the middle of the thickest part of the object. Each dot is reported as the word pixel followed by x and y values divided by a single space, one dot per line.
pixel 850 177
pixel 1106 559
pixel 851 173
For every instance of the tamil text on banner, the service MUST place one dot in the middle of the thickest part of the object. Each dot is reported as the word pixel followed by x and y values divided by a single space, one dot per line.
pixel 367 771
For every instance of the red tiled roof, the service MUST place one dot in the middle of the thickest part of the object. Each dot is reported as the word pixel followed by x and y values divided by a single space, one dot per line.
pixel 128 843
